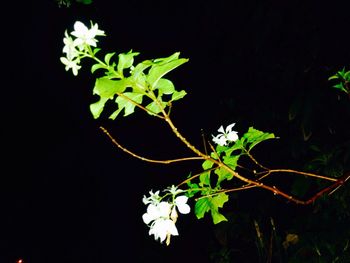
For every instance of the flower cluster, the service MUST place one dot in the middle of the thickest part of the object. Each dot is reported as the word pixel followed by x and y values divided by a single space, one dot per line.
pixel 73 48
pixel 161 215
pixel 225 136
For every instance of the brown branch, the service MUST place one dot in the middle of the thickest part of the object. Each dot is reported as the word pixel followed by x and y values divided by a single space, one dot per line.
pixel 276 191
pixel 269 172
pixel 143 158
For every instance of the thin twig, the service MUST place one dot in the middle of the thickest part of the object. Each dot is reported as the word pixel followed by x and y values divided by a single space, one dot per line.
pixel 147 159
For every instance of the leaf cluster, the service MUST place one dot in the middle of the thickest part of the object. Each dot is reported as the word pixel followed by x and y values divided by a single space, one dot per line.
pixel 128 85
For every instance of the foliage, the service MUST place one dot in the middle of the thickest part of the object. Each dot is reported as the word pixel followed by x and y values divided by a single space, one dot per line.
pixel 68 3
pixel 343 78
pixel 230 165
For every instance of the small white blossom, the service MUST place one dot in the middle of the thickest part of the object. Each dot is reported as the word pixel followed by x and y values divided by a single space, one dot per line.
pixel 85 36
pixel 156 211
pixel 173 190
pixel 161 216
pixel 71 64
pixel 152 199
pixel 163 228
pixel 225 136
pixel 69 47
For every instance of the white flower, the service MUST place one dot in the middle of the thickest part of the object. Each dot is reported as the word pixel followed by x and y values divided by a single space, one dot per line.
pixel 69 47
pixel 153 199
pixel 161 210
pixel 163 228
pixel 226 135
pixel 173 190
pixel 71 64
pixel 161 216
pixel 161 225
pixel 85 36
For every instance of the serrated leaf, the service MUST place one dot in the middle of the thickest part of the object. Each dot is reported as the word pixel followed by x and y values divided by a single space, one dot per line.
pixel 201 207
pixel 217 217
pixel 212 204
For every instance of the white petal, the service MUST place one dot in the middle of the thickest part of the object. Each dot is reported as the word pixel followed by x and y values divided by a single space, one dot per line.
pixel 79 29
pixel 221 129
pixel 164 209
pixel 180 202
pixel 232 136
pixel 220 140
pixel 229 128
pixel 146 218
pixel 171 228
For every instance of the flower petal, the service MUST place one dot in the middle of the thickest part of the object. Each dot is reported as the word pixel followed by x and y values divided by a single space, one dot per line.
pixel 181 203
pixel 229 128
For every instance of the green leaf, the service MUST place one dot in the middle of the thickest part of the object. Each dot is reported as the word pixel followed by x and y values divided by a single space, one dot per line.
pixel 97 107
pixel 254 136
pixel 201 207
pixel 107 88
pixel 238 145
pixel 217 217
pixel 85 2
pixel 333 77
pixel 178 95
pixel 207 164
pixel 341 87
pixel 165 86
pixel 204 179
pixel 108 57
pixel 231 161
pixel 161 67
pixel 193 188
pixel 96 67
pixel 127 103
pixel 212 204
pixel 223 174
pixel 125 60
pixel 155 108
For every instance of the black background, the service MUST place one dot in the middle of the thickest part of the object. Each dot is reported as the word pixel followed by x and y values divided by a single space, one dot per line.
pixel 67 194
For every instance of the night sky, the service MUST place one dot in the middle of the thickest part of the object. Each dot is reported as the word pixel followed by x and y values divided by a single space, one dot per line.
pixel 67 194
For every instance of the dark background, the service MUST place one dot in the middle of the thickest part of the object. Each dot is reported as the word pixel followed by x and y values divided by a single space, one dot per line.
pixel 67 194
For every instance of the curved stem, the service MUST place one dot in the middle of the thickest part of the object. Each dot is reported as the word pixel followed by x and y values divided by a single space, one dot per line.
pixel 270 171
pixel 147 159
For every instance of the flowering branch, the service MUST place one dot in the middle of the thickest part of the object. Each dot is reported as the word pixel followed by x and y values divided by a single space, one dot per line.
pixel 127 85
